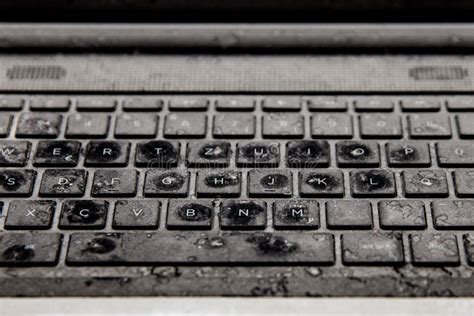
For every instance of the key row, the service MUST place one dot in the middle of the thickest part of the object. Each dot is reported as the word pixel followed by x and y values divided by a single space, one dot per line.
pixel 235 103
pixel 237 125
pixel 260 183
pixel 221 248
pixel 200 214
pixel 213 154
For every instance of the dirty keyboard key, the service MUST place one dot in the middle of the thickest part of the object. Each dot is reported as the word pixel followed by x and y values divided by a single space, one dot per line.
pixel 208 154
pixel 85 125
pixel 29 249
pixel 243 215
pixel 374 248
pixel 49 103
pixel 234 125
pixel 63 182
pixel 166 183
pixel 457 214
pixel 185 125
pixel 218 184
pixel 14 153
pixel 281 104
pixel 429 126
pixel 258 154
pixel 421 104
pixel 326 183
pixel 24 214
pixel 157 154
pixel 425 183
pixel 136 126
pixel 136 214
pixel 201 248
pixel 296 214
pixel 464 183
pixel 11 103
pixel 331 126
pixel 283 125
pixel 455 154
pixel 371 104
pixel 5 124
pixel 235 104
pixel 468 240
pixel 460 104
pixel 83 214
pixel 277 183
pixel 115 183
pixel 357 154
pixel 408 154
pixel 465 126
pixel 402 214
pixel 380 126
pixel 326 104
pixel 189 104
pixel 373 183
pixel 57 153
pixel 308 154
pixel 38 125
pixel 96 103
pixel 16 182
pixel 434 249
pixel 190 214
pixel 142 104
pixel 349 215
pixel 107 153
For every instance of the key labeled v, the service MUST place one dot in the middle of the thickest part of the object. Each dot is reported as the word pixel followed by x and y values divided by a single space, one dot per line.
pixel 137 211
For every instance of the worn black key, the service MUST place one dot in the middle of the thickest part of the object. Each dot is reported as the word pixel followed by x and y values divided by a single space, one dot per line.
pixel 38 125
pixel 373 183
pixel 11 102
pixel 190 214
pixel 235 103
pixel 349 215
pixel 201 248
pixel 189 104
pixel 331 126
pixel 373 104
pixel 50 103
pixel 374 248
pixel 468 240
pixel 281 104
pixel 357 154
pixel 258 154
pixel 327 183
pixel 425 183
pixel 5 124
pixel 380 126
pixel 83 214
pixel 57 153
pixel 208 154
pixel 185 125
pixel 308 154
pixel 86 125
pixel 421 104
pixel 63 182
pixel 115 183
pixel 166 183
pixel 465 126
pixel 434 249
pixel 136 126
pixel 218 184
pixel 399 214
pixel 296 214
pixel 24 214
pixel 142 104
pixel 276 183
pixel 460 103
pixel 283 125
pixel 234 125
pixel 107 153
pixel 96 103
pixel 136 214
pixel 429 126
pixel 326 104
pixel 455 214
pixel 29 249
pixel 157 154
pixel 243 214
pixel 455 154
pixel 408 154
pixel 14 153
pixel 16 182
pixel 464 182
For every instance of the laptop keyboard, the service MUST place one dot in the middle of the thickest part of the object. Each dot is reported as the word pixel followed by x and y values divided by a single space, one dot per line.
pixel 236 180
